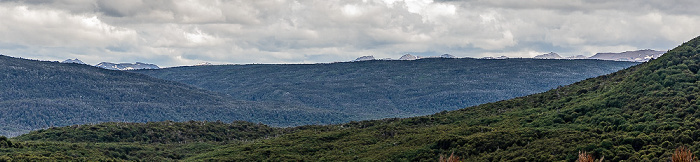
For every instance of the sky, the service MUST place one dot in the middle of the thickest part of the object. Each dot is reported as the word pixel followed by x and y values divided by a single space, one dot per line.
pixel 187 32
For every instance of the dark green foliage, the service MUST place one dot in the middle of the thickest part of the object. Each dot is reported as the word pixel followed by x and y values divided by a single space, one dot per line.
pixel 638 114
pixel 6 143
pixel 385 89
pixel 62 151
pixel 156 132
pixel 152 141
pixel 40 94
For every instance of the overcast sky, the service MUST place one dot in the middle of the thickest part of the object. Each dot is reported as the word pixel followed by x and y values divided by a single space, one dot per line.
pixel 182 32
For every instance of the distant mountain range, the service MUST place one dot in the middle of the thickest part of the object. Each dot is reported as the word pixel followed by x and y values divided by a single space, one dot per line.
pixel 636 56
pixel 404 57
pixel 126 66
pixel 388 88
pixel 121 66
pixel 633 56
pixel 550 55
pixel 41 94
pixel 75 61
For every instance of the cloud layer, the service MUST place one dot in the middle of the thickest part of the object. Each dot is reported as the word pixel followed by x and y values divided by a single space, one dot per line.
pixel 186 32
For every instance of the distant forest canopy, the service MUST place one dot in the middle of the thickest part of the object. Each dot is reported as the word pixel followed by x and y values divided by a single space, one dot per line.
pixel 384 89
pixel 42 94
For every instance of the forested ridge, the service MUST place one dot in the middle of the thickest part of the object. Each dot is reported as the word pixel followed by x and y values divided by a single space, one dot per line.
pixel 42 94
pixel 638 114
pixel 389 88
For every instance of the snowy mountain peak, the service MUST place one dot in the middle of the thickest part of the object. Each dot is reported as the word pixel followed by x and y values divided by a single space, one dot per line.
pixel 499 57
pixel 550 55
pixel 75 61
pixel 635 56
pixel 126 66
pixel 408 57
pixel 365 58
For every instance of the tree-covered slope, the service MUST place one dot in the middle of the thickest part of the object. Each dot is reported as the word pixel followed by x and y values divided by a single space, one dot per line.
pixel 637 114
pixel 381 89
pixel 118 141
pixel 165 132
pixel 40 94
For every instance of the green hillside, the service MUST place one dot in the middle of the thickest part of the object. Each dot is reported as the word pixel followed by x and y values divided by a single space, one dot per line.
pixel 41 94
pixel 638 114
pixel 386 89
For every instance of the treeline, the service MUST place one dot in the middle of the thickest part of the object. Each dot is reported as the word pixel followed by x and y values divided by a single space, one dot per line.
pixel 156 132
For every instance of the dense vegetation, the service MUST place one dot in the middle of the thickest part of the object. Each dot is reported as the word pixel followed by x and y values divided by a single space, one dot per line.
pixel 386 89
pixel 157 132
pixel 638 114
pixel 40 94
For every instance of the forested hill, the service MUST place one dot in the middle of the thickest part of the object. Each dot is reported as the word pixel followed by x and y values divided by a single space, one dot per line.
pixel 41 94
pixel 383 89
pixel 638 114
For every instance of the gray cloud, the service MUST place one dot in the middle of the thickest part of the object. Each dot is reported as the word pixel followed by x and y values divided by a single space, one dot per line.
pixel 180 32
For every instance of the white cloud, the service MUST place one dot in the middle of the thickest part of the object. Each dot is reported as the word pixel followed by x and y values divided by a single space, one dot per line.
pixel 183 32
pixel 55 28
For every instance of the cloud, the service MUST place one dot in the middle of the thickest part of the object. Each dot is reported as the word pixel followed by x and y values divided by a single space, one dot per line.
pixel 185 32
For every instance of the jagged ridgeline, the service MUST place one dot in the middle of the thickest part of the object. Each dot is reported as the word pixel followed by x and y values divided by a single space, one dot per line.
pixel 41 94
pixel 387 89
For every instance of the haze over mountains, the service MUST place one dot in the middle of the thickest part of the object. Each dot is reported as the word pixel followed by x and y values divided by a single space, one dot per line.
pixel 633 56
pixel 636 56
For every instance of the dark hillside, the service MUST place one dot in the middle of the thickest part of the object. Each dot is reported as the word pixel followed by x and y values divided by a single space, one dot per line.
pixel 637 114
pixel 40 94
pixel 382 89
pixel 156 132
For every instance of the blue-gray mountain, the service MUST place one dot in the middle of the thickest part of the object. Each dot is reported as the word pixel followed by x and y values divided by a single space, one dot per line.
pixel 126 66
pixel 40 94
pixel 633 56
pixel 75 61
pixel 383 89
